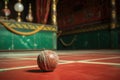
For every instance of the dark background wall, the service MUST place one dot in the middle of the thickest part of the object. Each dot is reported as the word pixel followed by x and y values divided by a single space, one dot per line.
pixel 77 12
pixel 90 22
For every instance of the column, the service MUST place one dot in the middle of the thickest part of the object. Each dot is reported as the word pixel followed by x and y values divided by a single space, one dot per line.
pixel 113 14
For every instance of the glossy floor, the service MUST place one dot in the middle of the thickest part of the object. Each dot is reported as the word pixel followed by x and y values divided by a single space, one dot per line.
pixel 73 65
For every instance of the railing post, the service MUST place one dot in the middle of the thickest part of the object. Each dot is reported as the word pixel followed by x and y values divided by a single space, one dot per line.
pixel 54 12
pixel 113 14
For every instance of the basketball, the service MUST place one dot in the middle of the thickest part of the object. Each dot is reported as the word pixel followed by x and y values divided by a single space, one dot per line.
pixel 47 60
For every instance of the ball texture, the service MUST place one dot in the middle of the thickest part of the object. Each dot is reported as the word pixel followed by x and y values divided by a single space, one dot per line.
pixel 47 60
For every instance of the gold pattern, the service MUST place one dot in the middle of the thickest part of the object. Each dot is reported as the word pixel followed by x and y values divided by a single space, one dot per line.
pixel 12 25
pixel 113 25
pixel 113 14
pixel 20 32
pixel 100 27
pixel 6 2
pixel 113 2
pixel 70 43
pixel 28 26
pixel 25 26
pixel 19 18
pixel 29 17
pixel 54 12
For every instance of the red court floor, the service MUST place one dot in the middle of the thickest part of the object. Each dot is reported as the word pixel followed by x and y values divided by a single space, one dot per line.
pixel 73 65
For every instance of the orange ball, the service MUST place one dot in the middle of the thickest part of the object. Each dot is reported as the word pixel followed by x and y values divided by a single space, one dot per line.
pixel 47 60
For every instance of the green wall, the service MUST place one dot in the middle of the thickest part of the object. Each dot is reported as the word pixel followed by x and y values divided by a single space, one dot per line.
pixel 40 40
pixel 101 39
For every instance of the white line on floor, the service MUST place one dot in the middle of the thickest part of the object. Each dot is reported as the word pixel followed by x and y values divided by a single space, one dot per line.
pixel 27 58
pixel 104 63
pixel 89 61
pixel 101 59
pixel 14 68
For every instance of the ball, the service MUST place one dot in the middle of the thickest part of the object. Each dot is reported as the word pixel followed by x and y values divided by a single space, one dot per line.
pixel 47 60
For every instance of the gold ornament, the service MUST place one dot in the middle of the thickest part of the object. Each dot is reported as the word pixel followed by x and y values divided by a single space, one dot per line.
pixel 19 8
pixel 29 17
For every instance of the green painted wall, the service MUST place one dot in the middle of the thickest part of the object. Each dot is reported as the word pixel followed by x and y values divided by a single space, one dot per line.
pixel 115 38
pixel 101 39
pixel 40 40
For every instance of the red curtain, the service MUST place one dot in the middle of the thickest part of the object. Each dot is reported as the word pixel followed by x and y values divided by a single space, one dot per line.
pixel 42 10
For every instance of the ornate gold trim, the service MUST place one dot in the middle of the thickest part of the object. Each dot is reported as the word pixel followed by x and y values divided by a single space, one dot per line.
pixel 70 43
pixel 86 29
pixel 30 27
pixel 54 12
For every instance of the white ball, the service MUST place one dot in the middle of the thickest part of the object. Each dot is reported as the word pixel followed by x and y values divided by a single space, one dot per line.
pixel 19 7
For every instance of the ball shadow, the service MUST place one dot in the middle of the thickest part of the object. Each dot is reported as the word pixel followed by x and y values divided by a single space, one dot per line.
pixel 37 71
